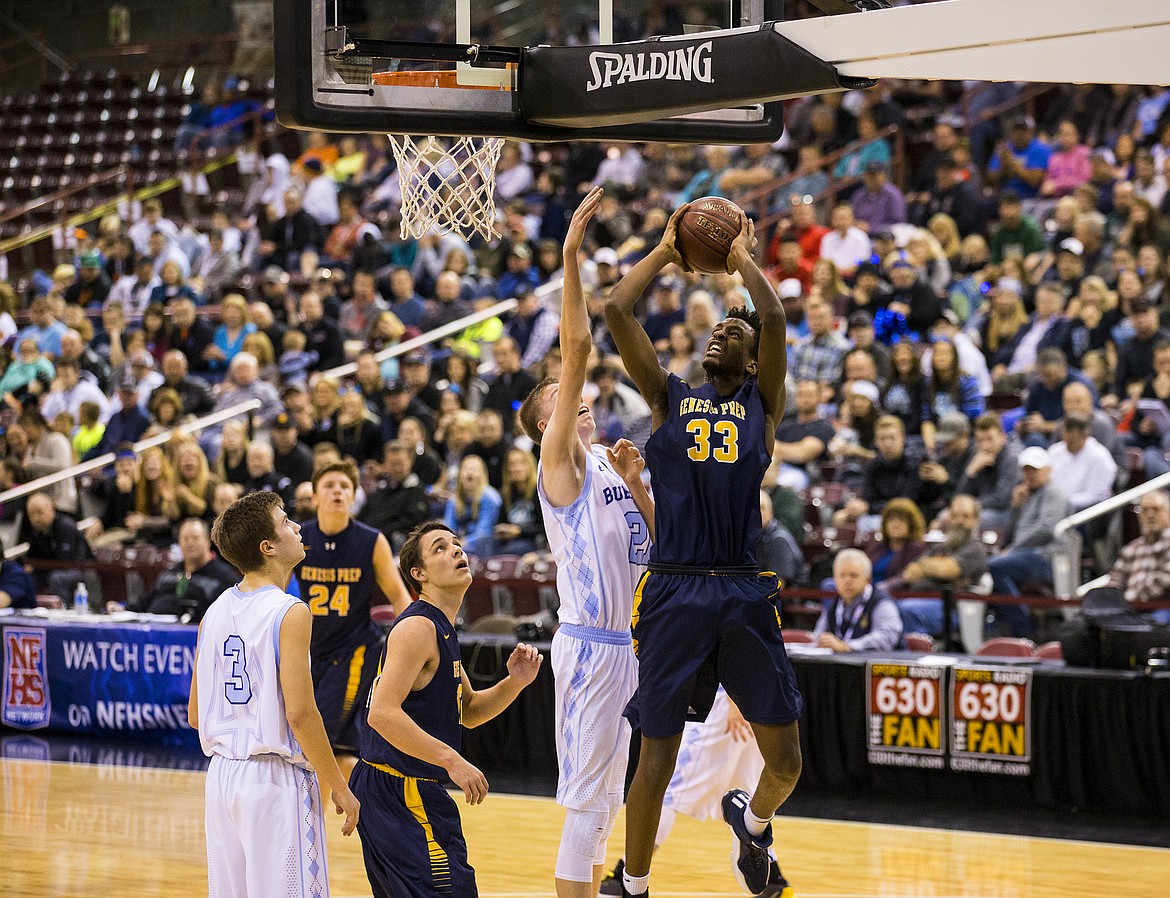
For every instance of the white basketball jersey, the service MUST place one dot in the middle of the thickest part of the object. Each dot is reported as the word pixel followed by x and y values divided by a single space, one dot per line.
pixel 601 545
pixel 241 705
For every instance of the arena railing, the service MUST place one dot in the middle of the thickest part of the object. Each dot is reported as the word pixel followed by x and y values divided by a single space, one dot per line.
pixel 102 461
pixel 1023 102
pixel 1066 563
pixel 49 199
pixel 170 55
pixel 219 417
pixel 431 336
pixel 455 327
pixel 42 54
pixel 761 200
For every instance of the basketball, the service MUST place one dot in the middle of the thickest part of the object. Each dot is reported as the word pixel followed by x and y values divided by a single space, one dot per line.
pixel 706 233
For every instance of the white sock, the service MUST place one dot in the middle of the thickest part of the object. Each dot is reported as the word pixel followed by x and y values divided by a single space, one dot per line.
pixel 635 885
pixel 755 825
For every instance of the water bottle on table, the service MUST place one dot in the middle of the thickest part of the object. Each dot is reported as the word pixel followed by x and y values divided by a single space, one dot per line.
pixel 81 598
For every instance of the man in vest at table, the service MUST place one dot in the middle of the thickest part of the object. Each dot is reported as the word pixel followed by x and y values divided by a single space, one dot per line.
pixel 861 617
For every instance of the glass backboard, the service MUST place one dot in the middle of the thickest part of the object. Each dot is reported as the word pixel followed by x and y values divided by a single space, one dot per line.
pixel 455 67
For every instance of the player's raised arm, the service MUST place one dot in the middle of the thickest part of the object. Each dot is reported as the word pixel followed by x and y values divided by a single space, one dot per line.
pixel 772 353
pixel 633 344
pixel 561 455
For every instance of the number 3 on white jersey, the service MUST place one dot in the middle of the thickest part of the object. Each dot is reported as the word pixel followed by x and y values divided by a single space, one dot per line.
pixel 237 686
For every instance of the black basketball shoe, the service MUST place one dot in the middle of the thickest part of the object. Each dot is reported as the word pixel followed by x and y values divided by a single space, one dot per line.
pixel 612 884
pixel 754 865
pixel 777 886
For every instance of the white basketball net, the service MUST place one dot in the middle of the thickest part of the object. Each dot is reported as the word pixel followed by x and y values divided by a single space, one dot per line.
pixel 447 189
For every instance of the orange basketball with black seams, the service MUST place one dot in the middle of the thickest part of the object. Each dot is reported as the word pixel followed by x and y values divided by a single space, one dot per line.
pixel 706 232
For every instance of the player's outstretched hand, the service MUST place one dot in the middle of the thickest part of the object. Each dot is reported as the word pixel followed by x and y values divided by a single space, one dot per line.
pixel 738 728
pixel 470 779
pixel 670 236
pixel 580 221
pixel 524 664
pixel 743 247
pixel 346 803
pixel 626 460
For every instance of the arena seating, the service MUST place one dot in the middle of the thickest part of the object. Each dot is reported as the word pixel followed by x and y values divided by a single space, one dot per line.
pixel 1006 647
pixel 1050 651
pixel 918 642
pixel 104 132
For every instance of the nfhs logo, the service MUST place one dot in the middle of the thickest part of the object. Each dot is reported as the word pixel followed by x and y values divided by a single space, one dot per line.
pixel 329 547
pixel 26 680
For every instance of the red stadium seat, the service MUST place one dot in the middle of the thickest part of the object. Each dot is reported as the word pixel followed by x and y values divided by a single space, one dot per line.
pixel 477 601
pixel 502 567
pixel 828 497
pixel 494 623
pixel 1007 647
pixel 544 570
pixel 1050 651
pixel 801 637
pixel 919 642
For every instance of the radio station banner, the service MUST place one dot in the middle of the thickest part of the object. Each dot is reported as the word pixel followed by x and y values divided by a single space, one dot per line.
pixel 905 714
pixel 104 679
pixel 990 720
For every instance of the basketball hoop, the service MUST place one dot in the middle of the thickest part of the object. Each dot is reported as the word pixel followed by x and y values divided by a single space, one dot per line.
pixel 447 188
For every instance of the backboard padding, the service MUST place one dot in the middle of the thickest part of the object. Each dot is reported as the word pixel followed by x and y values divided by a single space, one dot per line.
pixel 311 93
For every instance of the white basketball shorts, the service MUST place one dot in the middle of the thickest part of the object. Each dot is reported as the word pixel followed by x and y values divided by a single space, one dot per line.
pixel 265 830
pixel 596 674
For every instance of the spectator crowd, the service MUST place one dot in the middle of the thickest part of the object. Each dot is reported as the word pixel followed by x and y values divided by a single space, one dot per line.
pixel 968 314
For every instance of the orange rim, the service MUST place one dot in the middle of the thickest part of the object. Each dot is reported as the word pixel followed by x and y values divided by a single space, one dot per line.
pixel 448 78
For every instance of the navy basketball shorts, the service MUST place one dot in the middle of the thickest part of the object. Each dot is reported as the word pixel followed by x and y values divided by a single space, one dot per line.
pixel 341 685
pixel 685 623
pixel 412 839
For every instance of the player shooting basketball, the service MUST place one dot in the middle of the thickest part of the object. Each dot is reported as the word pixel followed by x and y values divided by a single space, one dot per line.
pixel 596 510
pixel 702 603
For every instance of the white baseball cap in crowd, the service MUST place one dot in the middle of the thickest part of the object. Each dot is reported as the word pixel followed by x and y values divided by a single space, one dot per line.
pixel 1034 457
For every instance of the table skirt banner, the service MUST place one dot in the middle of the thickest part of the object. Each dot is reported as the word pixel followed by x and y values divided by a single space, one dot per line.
pixel 985 709
pixel 991 719
pixel 124 681
pixel 905 714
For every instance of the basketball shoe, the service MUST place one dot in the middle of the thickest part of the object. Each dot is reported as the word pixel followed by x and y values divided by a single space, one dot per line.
pixel 612 884
pixel 777 886
pixel 753 868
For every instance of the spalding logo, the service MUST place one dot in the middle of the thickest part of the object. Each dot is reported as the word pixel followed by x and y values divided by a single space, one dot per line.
pixel 714 228
pixel 684 64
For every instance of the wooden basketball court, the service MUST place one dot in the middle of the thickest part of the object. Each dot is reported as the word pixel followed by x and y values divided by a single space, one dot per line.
pixel 85 831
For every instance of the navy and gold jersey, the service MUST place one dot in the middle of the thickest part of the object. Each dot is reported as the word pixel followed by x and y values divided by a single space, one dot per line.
pixel 707 460
pixel 336 581
pixel 436 708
